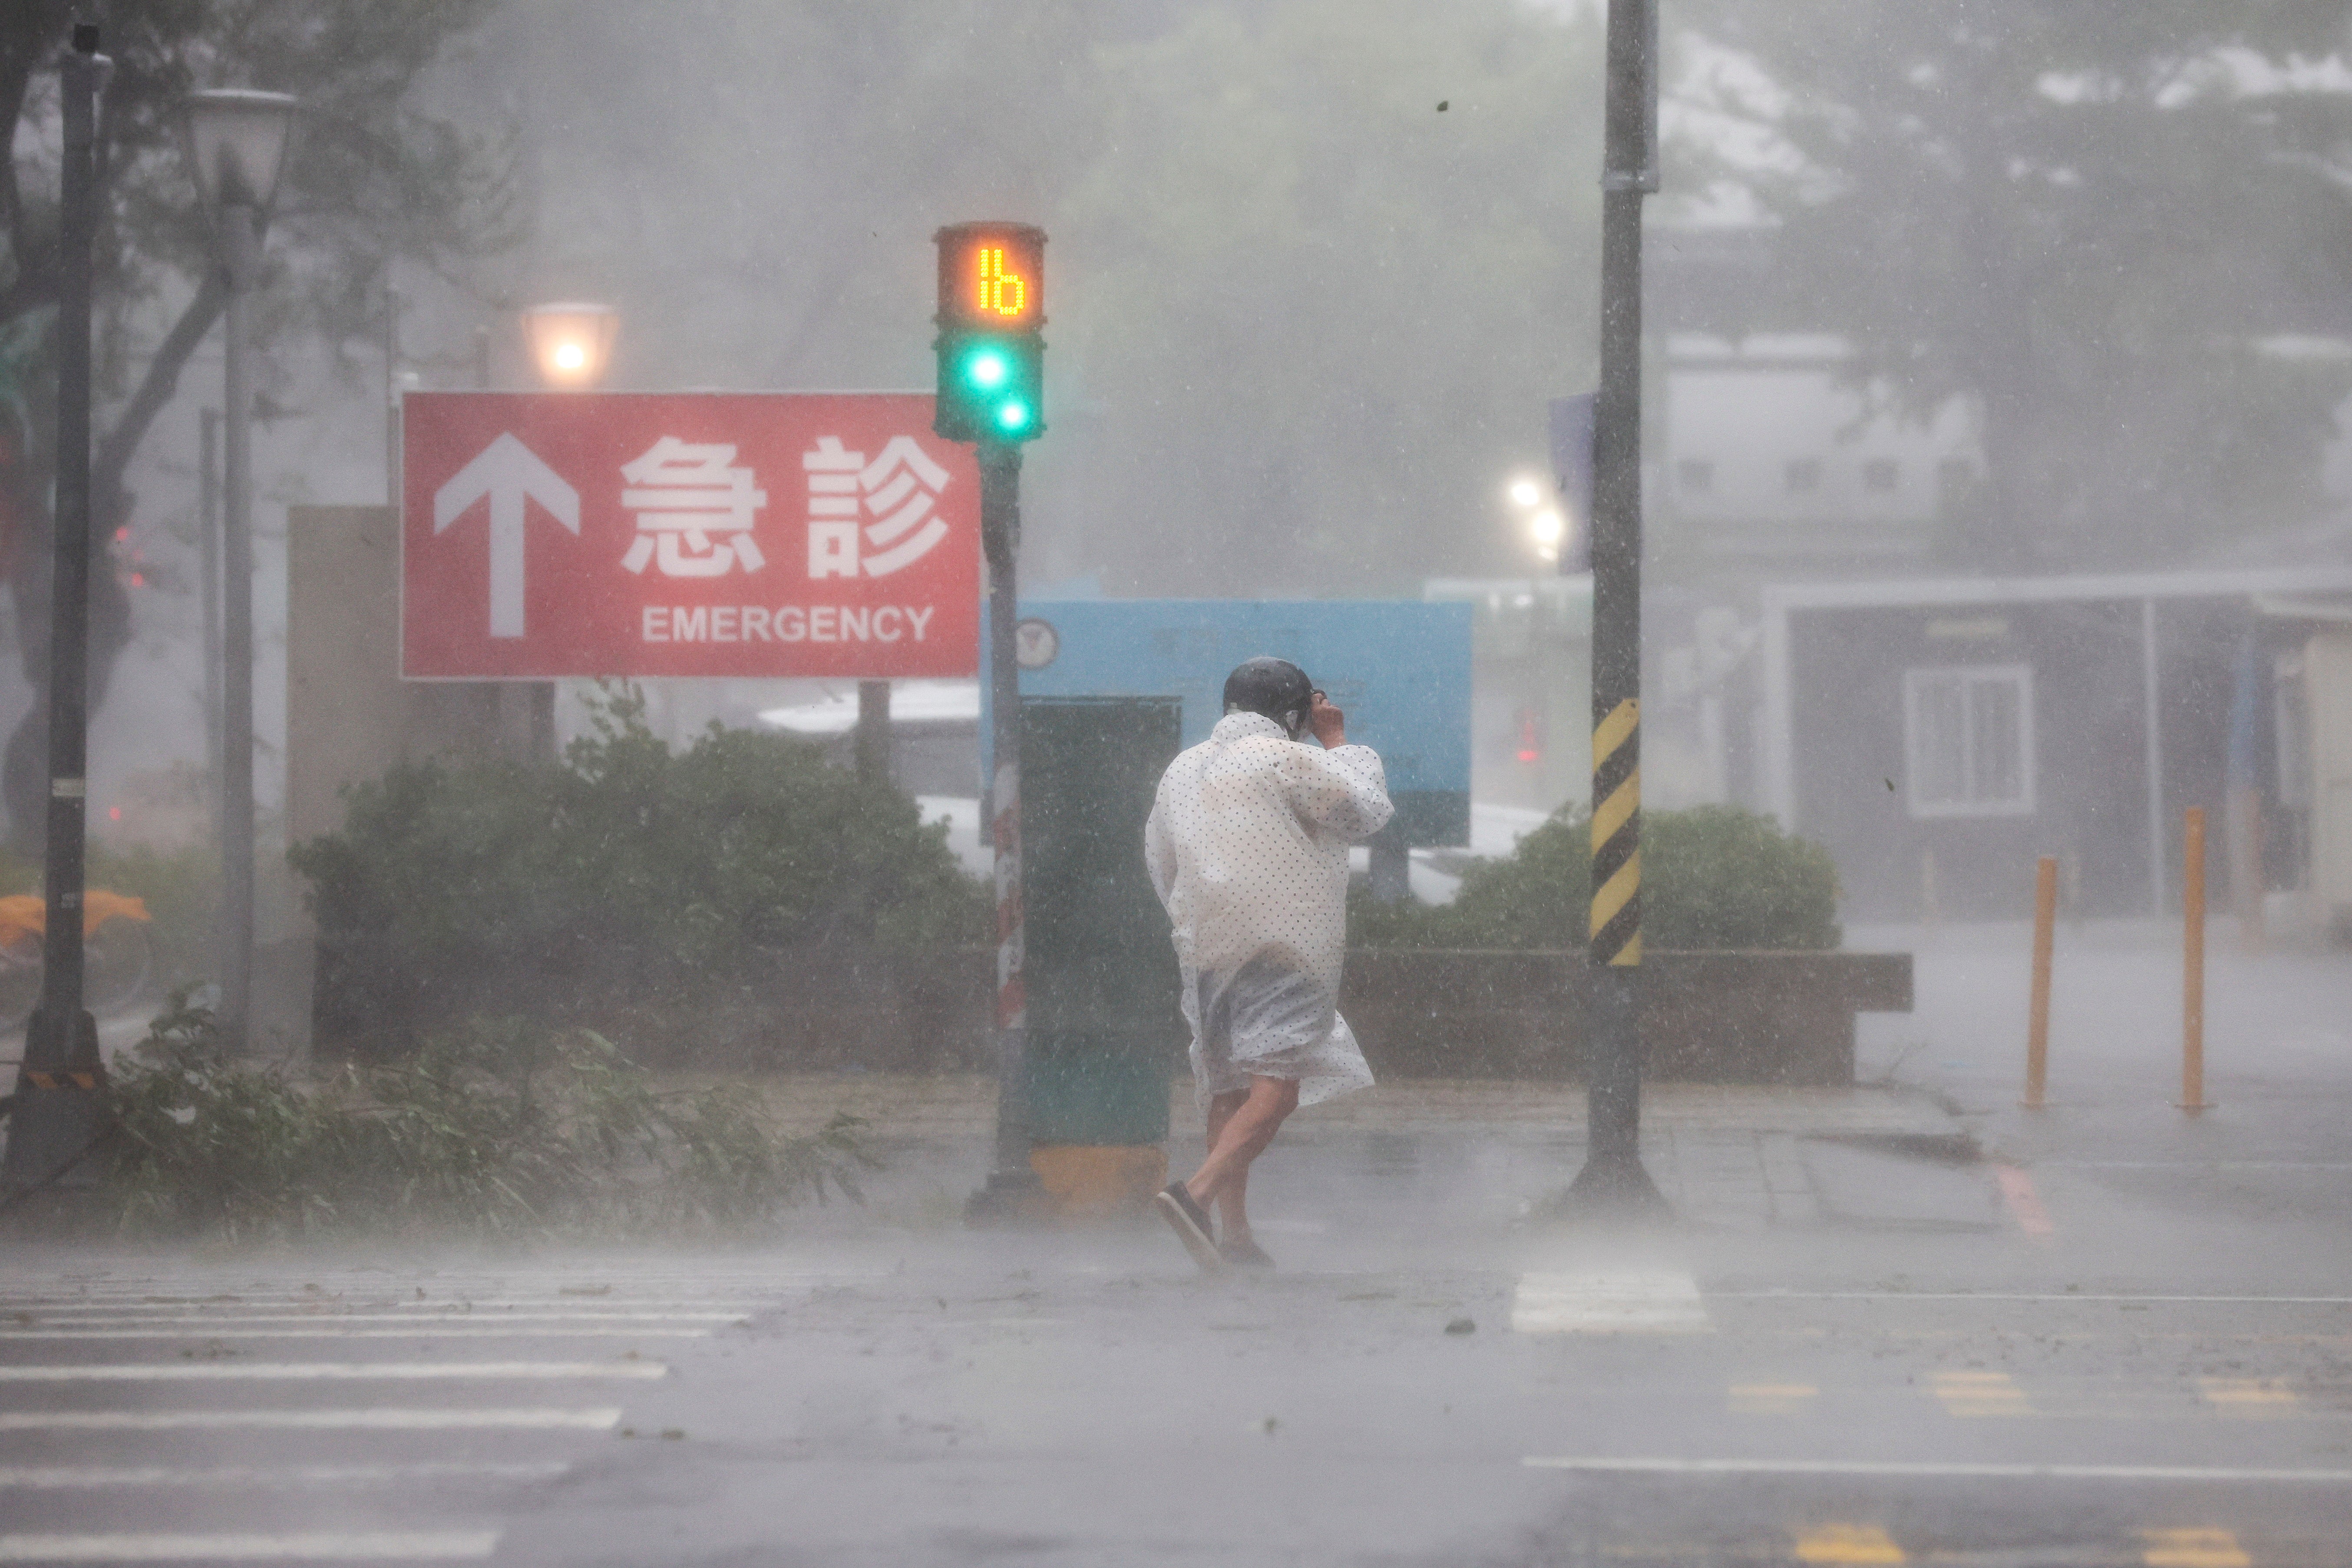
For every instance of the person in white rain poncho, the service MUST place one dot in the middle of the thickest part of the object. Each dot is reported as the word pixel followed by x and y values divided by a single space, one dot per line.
pixel 1247 846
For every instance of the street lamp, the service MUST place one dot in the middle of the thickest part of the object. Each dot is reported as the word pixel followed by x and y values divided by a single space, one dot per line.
pixel 571 342
pixel 236 148
pixel 55 1117
pixel 1546 525
pixel 1548 528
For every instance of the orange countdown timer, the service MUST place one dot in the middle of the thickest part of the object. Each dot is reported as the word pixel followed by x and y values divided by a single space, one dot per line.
pixel 992 277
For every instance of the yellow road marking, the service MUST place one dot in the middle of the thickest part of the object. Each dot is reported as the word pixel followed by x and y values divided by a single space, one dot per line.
pixel 2250 1395
pixel 1981 1393
pixel 1847 1544
pixel 1771 1398
pixel 2192 1548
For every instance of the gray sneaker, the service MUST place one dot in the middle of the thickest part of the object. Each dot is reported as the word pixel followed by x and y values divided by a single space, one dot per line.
pixel 1190 1221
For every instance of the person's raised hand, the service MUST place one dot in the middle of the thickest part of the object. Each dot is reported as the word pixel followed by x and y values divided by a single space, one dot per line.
pixel 1329 725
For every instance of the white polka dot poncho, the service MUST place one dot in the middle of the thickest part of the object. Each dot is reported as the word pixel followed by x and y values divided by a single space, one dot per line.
pixel 1247 846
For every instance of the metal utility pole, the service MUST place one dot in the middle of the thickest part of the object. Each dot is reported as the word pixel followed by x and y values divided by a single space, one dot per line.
pixel 1011 1183
pixel 1612 1181
pixel 870 746
pixel 55 1120
pixel 391 396
pixel 208 424
pixel 241 257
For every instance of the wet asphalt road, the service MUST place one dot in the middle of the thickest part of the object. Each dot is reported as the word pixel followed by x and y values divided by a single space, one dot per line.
pixel 2137 1351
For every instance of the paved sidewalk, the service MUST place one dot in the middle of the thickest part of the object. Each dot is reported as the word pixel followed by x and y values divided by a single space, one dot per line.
pixel 1726 1157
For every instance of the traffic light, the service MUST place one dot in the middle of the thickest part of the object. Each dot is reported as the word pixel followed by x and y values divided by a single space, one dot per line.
pixel 992 347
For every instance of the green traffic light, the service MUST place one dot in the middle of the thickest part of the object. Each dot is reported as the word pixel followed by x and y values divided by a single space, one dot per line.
pixel 987 369
pixel 1013 415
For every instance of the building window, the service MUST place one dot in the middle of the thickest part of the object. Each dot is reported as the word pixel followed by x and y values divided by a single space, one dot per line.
pixel 1804 476
pixel 1879 476
pixel 1695 476
pixel 1968 734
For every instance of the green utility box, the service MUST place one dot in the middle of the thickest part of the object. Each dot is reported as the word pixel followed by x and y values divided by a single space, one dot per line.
pixel 1104 1032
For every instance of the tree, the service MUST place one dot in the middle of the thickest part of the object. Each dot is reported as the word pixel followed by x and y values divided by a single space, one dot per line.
pixel 2093 221
pixel 1302 319
pixel 1337 254
pixel 369 179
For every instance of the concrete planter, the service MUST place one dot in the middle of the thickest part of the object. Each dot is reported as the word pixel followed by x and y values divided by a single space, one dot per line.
pixel 1707 1018
pixel 1710 1017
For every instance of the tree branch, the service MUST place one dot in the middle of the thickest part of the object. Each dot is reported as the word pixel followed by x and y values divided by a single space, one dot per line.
pixel 155 389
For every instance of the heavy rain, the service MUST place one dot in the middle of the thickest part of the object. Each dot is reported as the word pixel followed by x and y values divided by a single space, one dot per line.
pixel 1515 783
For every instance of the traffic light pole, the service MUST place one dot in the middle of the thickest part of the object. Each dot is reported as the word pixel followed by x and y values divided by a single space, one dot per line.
pixel 1012 1184
pixel 53 1117
pixel 1613 1183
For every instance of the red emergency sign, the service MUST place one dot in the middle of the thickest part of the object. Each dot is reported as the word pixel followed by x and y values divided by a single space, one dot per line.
pixel 622 534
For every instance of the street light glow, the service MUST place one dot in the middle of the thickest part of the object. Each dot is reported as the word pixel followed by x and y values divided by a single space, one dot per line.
pixel 1548 526
pixel 571 343
pixel 1526 492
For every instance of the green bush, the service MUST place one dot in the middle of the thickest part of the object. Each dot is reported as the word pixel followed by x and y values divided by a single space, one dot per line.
pixel 625 871
pixel 504 1126
pixel 1712 877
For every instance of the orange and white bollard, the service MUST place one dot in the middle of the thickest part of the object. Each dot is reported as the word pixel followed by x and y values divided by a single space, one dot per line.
pixel 2192 963
pixel 2037 1032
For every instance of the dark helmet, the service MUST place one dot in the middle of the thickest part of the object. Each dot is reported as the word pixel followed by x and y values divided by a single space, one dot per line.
pixel 1275 688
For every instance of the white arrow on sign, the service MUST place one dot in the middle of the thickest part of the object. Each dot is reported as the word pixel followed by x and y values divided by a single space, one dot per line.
pixel 508 473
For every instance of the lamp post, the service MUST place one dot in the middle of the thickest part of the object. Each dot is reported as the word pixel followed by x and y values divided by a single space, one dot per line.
pixel 570 344
pixel 236 146
pixel 54 1121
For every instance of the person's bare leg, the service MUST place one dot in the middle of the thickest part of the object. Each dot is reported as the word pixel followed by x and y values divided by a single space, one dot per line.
pixel 1247 1132
pixel 1231 1200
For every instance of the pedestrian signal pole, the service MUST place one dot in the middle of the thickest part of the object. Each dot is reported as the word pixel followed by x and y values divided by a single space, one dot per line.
pixel 53 1117
pixel 1613 1182
pixel 991 392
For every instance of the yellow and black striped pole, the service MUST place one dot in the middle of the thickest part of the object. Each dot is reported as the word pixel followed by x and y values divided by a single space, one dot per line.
pixel 1616 931
pixel 1612 1181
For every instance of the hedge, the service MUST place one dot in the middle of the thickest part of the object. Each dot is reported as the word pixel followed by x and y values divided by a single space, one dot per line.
pixel 1712 876
pixel 626 870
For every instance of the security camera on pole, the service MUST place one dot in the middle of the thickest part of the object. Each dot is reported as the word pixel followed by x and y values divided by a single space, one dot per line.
pixel 54 1113
pixel 1612 1181
pixel 992 386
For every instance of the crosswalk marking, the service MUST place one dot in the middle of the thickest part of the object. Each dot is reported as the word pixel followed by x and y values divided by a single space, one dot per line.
pixel 2250 1395
pixel 317 1307
pixel 2191 1549
pixel 82 1320
pixel 376 1420
pixel 323 1371
pixel 158 1320
pixel 1846 1543
pixel 313 1546
pixel 421 1331
pixel 1981 1393
pixel 1651 1302
pixel 1929 1469
pixel 57 1477
pixel 1770 1399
